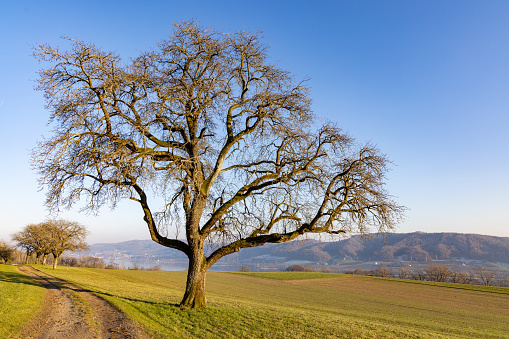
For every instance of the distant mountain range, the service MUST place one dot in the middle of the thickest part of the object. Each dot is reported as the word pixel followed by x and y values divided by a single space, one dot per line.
pixel 417 247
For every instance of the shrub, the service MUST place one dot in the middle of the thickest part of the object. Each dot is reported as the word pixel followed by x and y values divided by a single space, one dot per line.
pixel 112 266
pixel 84 261
pixel 299 268
pixel 327 270
pixel 244 268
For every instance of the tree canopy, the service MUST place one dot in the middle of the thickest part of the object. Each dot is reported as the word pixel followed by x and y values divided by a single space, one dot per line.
pixel 34 238
pixel 52 236
pixel 224 135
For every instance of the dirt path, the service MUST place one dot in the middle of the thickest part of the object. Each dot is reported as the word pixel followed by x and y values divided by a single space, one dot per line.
pixel 71 312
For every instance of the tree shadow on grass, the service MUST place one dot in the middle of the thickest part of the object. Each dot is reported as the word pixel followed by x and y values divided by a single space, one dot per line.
pixel 17 277
pixel 52 282
pixel 29 277
pixel 105 294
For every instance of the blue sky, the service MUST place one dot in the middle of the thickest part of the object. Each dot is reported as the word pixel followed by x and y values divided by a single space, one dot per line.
pixel 427 81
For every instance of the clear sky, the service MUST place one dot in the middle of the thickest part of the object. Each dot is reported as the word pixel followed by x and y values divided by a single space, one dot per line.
pixel 427 81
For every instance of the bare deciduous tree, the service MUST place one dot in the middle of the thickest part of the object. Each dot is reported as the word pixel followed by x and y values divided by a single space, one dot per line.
pixel 65 236
pixel 458 277
pixel 7 252
pixel 40 240
pixel 226 137
pixel 485 275
pixel 25 242
pixel 437 272
pixel 404 272
pixel 53 236
pixel 419 274
pixel 383 271
pixel 34 238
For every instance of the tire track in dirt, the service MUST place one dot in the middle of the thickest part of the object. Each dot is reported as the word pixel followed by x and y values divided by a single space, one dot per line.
pixel 71 312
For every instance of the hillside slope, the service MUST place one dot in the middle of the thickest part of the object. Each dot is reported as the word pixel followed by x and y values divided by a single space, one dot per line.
pixel 423 247
pixel 416 246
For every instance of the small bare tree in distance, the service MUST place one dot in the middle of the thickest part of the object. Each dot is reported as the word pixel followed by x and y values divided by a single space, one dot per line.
pixel 224 135
pixel 7 252
pixel 436 272
pixel 485 275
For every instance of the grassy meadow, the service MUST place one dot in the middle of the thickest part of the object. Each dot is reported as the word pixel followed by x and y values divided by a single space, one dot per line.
pixel 299 305
pixel 20 299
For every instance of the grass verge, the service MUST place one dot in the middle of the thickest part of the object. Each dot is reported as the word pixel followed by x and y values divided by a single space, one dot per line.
pixel 20 299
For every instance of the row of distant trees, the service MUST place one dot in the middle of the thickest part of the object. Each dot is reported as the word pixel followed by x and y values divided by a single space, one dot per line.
pixel 433 272
pixel 440 273
pixel 50 237
pixel 96 262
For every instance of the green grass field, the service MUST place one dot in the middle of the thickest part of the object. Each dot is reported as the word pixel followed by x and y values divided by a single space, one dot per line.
pixel 20 299
pixel 298 305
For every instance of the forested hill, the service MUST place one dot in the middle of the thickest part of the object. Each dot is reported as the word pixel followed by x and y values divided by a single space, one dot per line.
pixel 423 246
pixel 399 246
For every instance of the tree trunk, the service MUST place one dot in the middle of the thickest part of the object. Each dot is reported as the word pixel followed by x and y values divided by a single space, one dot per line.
pixel 44 259
pixel 55 262
pixel 28 254
pixel 195 286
